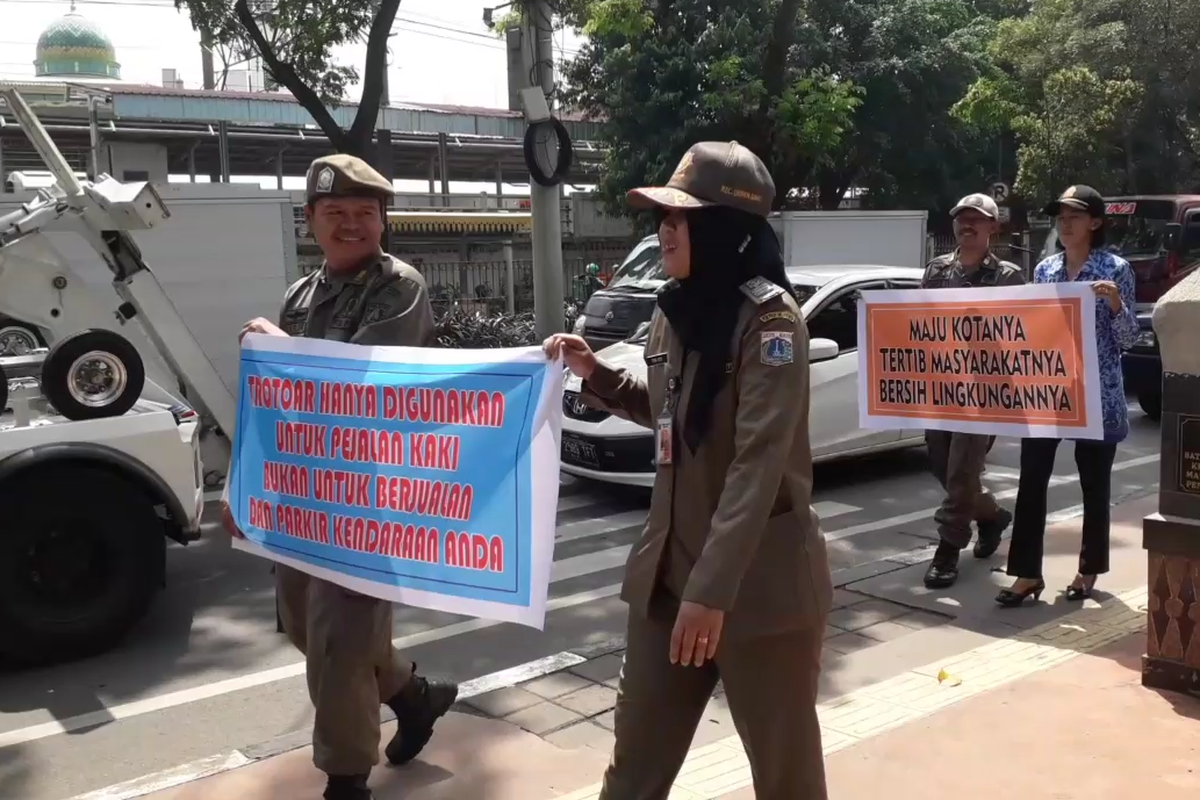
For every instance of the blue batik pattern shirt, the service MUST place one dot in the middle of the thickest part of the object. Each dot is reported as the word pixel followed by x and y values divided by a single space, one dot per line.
pixel 1114 332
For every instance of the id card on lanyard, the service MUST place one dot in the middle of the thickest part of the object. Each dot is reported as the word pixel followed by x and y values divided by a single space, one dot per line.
pixel 664 428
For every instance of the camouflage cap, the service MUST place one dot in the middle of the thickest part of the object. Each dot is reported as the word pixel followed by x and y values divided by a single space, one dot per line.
pixel 341 175
pixel 713 174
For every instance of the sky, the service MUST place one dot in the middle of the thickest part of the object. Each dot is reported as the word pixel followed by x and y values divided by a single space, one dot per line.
pixel 442 53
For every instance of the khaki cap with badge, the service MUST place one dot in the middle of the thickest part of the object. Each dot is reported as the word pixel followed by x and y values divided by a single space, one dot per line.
pixel 342 175
pixel 713 174
pixel 978 202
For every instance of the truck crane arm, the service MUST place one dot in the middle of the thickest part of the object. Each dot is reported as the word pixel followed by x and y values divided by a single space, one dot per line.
pixel 37 285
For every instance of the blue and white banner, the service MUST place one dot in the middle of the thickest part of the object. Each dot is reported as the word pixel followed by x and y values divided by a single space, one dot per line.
pixel 421 476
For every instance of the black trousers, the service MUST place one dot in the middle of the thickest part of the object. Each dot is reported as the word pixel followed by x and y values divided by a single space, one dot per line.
pixel 1094 461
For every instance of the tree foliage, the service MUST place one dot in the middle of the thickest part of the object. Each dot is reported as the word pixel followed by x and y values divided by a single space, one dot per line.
pixel 914 60
pixel 295 39
pixel 682 71
pixel 833 94
pixel 1105 92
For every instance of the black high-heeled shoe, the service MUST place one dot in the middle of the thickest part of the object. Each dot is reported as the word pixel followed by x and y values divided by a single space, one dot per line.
pixel 1084 591
pixel 1010 599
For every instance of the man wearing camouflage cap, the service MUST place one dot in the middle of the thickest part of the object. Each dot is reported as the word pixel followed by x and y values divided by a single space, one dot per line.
pixel 363 296
pixel 957 459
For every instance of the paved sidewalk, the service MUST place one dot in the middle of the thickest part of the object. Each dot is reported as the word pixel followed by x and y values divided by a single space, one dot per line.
pixel 850 724
pixel 550 736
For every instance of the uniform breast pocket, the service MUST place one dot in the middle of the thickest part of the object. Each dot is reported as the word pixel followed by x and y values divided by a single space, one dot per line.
pixel 294 321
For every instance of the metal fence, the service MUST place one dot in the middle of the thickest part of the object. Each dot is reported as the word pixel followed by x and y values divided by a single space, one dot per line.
pixel 506 287
pixel 498 287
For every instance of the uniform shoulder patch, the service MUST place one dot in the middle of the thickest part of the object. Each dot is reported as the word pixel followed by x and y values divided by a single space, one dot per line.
pixel 771 316
pixel 760 290
pixel 776 349
pixel 393 268
pixel 402 288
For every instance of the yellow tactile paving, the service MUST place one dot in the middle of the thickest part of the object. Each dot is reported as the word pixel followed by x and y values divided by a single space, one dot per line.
pixel 721 767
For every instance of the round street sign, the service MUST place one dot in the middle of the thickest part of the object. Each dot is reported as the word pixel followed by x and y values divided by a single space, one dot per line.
pixel 999 191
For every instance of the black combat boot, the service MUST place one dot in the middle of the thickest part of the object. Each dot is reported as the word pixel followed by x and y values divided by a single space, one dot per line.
pixel 943 572
pixel 347 787
pixel 990 531
pixel 418 706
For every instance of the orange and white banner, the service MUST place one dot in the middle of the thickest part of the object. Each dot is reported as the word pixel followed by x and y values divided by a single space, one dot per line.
pixel 1007 361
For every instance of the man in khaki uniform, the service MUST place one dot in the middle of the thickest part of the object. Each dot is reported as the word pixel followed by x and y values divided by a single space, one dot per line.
pixel 730 578
pixel 363 296
pixel 957 459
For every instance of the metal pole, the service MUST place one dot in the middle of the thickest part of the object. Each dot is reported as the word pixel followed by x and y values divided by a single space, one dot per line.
pixel 499 186
pixel 94 135
pixel 443 168
pixel 510 280
pixel 223 149
pixel 546 201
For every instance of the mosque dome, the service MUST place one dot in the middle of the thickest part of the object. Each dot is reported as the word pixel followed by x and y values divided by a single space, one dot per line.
pixel 75 47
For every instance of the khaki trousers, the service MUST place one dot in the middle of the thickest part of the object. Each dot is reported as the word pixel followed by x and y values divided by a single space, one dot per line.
pixel 957 460
pixel 352 667
pixel 770 685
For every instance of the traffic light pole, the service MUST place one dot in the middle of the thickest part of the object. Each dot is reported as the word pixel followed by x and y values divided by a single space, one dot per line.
pixel 537 46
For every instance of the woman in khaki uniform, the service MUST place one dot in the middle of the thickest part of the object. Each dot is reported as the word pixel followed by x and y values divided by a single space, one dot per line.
pixel 730 579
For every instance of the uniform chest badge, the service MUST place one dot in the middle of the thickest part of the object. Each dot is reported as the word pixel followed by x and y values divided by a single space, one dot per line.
pixel 655 360
pixel 776 348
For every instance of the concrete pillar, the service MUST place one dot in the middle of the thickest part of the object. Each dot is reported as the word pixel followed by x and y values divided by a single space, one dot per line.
pixel 1171 537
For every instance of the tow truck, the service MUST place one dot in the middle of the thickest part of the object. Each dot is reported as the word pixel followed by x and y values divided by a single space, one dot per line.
pixel 100 463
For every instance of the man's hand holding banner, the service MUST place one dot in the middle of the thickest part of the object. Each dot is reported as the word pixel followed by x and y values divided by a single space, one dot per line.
pixel 1006 361
pixel 422 476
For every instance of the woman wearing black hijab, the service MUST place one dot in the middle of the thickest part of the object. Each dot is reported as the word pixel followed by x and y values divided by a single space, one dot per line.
pixel 730 579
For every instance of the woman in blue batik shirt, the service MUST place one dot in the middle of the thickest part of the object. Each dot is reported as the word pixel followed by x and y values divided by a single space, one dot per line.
pixel 1079 218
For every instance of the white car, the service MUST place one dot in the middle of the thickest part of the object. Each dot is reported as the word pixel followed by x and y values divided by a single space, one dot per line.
pixel 602 447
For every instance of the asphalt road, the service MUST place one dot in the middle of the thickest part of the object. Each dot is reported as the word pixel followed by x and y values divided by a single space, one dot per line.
pixel 207 672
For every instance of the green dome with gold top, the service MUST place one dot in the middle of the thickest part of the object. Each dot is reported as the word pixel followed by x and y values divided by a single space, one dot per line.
pixel 75 47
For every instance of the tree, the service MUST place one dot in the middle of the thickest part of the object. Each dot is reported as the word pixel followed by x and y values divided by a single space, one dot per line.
pixel 914 60
pixel 663 76
pixel 294 39
pixel 833 94
pixel 1096 91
